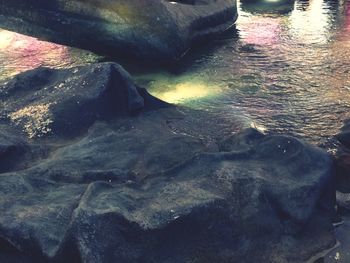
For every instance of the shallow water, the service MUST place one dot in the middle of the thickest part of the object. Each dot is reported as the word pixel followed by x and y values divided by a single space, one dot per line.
pixel 285 68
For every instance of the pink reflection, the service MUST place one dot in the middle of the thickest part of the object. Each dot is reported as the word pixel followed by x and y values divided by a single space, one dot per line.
pixel 262 31
pixel 19 53
pixel 344 34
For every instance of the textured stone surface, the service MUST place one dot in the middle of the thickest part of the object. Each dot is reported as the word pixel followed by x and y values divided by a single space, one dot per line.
pixel 64 102
pixel 120 194
pixel 156 29
pixel 343 159
pixel 155 187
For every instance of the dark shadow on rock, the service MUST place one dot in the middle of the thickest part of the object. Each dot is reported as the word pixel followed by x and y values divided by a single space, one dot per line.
pixel 343 159
pixel 65 102
pixel 12 149
pixel 198 53
pixel 134 190
pixel 164 185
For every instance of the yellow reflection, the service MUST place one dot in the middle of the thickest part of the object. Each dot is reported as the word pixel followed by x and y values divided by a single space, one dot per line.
pixel 5 39
pixel 109 10
pixel 182 90
pixel 258 127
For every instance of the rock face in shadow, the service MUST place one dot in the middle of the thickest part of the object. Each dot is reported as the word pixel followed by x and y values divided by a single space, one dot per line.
pixel 65 102
pixel 12 148
pixel 343 159
pixel 156 29
pixel 135 191
pixel 152 187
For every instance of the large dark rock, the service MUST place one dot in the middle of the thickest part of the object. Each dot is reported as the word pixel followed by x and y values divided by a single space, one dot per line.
pixel 66 101
pixel 12 149
pixel 135 190
pixel 344 135
pixel 343 159
pixel 343 200
pixel 156 29
pixel 154 187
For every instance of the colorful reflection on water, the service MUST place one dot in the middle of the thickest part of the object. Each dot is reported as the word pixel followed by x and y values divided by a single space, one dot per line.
pixel 285 68
pixel 288 70
pixel 19 53
pixel 180 89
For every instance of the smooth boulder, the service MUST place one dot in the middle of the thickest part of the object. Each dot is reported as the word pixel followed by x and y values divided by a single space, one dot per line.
pixel 152 29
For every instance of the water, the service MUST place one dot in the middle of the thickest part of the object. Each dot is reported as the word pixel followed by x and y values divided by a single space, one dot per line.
pixel 285 68
pixel 19 53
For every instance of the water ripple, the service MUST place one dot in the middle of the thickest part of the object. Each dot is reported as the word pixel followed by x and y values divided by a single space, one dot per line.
pixel 286 68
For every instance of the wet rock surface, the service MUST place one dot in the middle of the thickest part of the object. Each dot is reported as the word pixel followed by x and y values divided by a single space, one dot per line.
pixel 163 30
pixel 66 101
pixel 343 200
pixel 343 159
pixel 156 187
pixel 341 253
